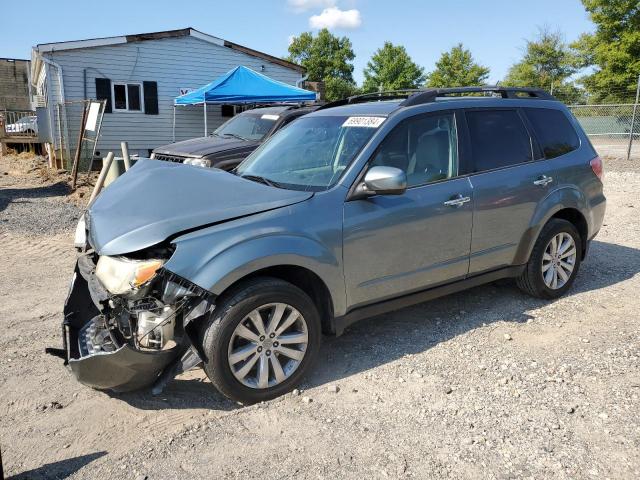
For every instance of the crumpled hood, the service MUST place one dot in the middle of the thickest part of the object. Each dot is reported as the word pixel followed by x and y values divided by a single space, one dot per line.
pixel 155 200
pixel 204 146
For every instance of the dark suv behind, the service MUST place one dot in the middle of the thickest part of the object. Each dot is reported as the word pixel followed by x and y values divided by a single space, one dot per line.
pixel 234 140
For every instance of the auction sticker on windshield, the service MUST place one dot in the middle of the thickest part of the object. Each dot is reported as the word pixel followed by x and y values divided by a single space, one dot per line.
pixel 367 122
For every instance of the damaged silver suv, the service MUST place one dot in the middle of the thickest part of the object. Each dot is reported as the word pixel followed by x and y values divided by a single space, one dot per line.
pixel 363 206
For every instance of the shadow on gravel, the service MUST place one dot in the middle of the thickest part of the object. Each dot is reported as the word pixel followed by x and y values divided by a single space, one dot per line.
pixel 61 469
pixel 179 394
pixel 13 195
pixel 385 338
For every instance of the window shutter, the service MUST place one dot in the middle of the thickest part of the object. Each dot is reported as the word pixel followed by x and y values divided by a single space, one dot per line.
pixel 103 92
pixel 150 97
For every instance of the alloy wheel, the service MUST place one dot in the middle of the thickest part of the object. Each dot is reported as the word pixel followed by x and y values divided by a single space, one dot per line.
pixel 268 345
pixel 558 260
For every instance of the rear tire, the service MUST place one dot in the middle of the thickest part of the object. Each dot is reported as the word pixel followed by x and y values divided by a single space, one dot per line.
pixel 554 262
pixel 233 331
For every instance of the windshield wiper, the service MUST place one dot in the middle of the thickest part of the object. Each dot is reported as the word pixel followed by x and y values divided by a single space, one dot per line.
pixel 235 135
pixel 263 180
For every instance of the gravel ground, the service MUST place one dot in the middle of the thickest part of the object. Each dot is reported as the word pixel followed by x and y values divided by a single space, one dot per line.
pixel 486 383
pixel 27 191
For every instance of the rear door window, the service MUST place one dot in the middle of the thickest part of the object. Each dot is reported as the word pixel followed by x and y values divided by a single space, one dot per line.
pixel 554 132
pixel 498 139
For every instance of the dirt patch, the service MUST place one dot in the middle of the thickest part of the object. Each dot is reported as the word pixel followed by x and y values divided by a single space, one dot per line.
pixel 487 383
pixel 37 200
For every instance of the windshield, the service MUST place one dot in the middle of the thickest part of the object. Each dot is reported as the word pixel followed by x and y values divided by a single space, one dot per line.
pixel 247 126
pixel 311 153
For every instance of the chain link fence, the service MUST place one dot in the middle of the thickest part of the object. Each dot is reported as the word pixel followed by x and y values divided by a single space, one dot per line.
pixel 613 129
pixel 610 118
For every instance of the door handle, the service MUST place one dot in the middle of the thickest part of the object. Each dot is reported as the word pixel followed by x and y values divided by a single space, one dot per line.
pixel 457 201
pixel 543 180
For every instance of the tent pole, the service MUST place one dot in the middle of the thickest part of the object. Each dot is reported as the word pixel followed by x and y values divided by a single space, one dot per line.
pixel 205 119
pixel 174 124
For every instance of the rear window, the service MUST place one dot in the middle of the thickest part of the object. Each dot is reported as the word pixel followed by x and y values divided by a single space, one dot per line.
pixel 498 139
pixel 553 130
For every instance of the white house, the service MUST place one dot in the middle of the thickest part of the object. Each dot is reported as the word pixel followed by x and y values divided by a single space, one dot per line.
pixel 139 76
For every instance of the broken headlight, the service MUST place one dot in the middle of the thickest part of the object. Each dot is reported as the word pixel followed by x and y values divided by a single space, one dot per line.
pixel 121 275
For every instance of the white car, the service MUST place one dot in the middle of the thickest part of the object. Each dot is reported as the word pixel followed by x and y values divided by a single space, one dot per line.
pixel 25 125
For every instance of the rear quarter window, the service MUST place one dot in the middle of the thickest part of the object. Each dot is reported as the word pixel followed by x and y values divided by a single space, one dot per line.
pixel 498 139
pixel 554 132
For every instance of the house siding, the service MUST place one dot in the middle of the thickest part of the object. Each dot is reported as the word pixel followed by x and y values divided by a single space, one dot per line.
pixel 174 63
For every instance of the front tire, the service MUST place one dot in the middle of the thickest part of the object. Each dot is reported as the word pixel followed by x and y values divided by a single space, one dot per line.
pixel 554 262
pixel 260 340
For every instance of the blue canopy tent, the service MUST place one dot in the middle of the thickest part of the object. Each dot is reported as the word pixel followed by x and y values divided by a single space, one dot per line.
pixel 241 86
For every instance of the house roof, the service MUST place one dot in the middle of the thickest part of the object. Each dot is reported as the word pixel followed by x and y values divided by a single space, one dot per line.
pixel 141 37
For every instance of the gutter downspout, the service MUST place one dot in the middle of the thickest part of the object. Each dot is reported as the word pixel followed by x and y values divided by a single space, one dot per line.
pixel 61 93
pixel 302 79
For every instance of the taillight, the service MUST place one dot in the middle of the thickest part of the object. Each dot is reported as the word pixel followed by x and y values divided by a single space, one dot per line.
pixel 597 167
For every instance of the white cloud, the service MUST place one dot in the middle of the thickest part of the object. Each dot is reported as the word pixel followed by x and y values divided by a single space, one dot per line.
pixel 291 39
pixel 333 17
pixel 304 5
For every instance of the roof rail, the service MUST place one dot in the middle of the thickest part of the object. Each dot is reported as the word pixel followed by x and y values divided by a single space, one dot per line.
pixel 372 97
pixel 428 95
pixel 431 94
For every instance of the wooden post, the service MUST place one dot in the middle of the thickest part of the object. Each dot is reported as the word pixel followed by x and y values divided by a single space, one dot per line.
pixel 106 165
pixel 76 160
pixel 125 155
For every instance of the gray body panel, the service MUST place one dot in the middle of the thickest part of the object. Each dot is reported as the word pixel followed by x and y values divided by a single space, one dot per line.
pixel 399 244
pixel 157 200
pixel 364 251
pixel 307 234
pixel 504 203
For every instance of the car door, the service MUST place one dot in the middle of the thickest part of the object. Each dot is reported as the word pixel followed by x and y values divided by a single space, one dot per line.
pixel 397 244
pixel 509 180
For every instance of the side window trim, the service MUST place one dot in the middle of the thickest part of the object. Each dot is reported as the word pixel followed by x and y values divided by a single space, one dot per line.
pixel 536 149
pixel 471 163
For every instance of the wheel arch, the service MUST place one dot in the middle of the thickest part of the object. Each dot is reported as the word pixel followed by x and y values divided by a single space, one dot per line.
pixel 567 204
pixel 298 259
pixel 303 278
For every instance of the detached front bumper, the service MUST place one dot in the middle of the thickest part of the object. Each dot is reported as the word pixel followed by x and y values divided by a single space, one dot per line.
pixel 125 368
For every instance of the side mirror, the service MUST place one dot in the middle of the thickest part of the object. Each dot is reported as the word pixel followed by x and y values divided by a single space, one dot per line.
pixel 382 181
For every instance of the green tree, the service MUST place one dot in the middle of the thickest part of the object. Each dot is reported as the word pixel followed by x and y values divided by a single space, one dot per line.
pixel 457 68
pixel 327 59
pixel 614 49
pixel 391 68
pixel 548 63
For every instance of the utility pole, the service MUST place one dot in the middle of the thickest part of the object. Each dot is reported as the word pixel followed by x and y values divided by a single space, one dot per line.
pixel 633 119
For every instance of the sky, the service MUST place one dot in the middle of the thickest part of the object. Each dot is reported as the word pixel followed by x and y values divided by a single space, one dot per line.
pixel 495 31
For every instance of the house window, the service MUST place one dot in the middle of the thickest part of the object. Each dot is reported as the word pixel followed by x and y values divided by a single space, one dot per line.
pixel 232 110
pixel 127 97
